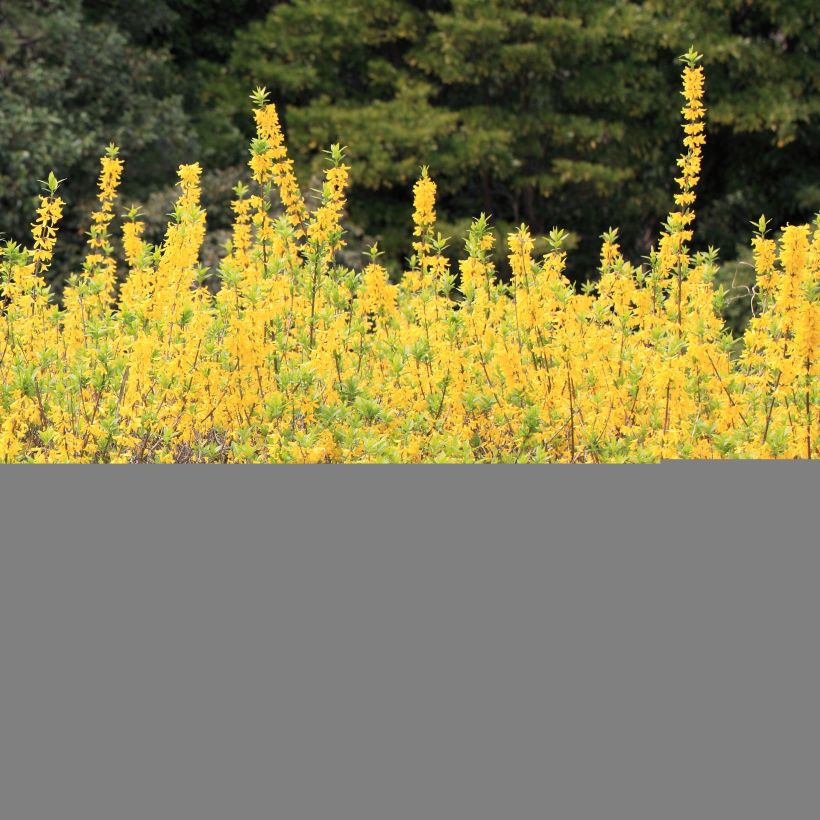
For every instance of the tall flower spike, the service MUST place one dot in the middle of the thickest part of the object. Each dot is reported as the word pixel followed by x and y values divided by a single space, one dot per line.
pixel 424 221
pixel 270 162
pixel 673 250
pixel 100 267
pixel 44 229
pixel 424 215
pixel 693 127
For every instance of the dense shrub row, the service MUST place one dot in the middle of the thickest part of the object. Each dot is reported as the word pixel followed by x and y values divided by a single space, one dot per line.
pixel 298 358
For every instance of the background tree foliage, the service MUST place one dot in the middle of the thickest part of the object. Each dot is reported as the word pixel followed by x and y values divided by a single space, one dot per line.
pixel 560 113
pixel 68 87
pixel 553 113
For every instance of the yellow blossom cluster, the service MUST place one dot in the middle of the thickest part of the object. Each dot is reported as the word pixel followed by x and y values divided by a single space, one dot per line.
pixel 299 358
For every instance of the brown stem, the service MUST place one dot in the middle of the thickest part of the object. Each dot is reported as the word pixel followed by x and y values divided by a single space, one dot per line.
pixel 571 391
pixel 808 410
pixel 725 389
pixel 771 407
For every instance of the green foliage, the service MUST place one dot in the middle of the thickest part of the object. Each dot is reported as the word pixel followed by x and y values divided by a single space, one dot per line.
pixel 553 113
pixel 546 112
pixel 192 30
pixel 67 88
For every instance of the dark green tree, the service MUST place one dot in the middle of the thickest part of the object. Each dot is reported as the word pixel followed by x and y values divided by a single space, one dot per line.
pixel 554 113
pixel 68 87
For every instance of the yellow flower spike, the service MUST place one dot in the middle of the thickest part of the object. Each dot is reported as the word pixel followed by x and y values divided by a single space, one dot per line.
pixel 269 160
pixel 424 203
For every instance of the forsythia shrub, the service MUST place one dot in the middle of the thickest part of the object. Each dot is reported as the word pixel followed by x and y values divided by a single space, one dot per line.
pixel 298 359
